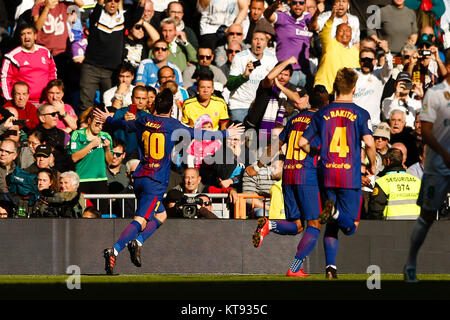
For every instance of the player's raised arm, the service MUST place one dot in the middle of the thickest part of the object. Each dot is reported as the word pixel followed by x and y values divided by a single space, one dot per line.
pixel 104 116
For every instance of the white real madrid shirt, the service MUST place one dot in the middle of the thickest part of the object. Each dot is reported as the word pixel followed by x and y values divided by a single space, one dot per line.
pixel 436 109
pixel 243 96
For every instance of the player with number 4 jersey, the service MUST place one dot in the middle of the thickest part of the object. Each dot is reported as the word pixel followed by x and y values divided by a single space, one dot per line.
pixel 341 126
pixel 151 177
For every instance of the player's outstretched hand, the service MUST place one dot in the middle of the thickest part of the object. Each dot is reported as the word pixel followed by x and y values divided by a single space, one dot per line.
pixel 101 115
pixel 235 130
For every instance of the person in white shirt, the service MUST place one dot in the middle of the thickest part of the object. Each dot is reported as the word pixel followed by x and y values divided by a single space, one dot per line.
pixel 402 100
pixel 248 68
pixel 217 13
pixel 370 84
pixel 120 96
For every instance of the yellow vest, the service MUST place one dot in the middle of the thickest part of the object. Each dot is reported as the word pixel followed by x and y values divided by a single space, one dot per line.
pixel 276 210
pixel 402 190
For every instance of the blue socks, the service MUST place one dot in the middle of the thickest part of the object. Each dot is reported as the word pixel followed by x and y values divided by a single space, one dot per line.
pixel 283 227
pixel 305 247
pixel 346 223
pixel 129 234
pixel 151 227
pixel 133 232
pixel 307 243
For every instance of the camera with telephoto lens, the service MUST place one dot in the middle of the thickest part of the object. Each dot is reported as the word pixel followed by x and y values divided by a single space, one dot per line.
pixel 188 206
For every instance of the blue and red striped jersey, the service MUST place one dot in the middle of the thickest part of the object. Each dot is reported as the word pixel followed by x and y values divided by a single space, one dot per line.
pixel 299 167
pixel 157 137
pixel 340 127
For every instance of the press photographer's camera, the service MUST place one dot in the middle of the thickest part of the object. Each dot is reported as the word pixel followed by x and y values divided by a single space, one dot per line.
pixel 188 206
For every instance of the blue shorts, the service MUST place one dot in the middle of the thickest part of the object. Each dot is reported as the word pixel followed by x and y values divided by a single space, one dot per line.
pixel 149 195
pixel 347 201
pixel 301 202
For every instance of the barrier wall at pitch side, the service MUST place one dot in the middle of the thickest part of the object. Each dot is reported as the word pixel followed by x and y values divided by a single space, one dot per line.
pixel 49 246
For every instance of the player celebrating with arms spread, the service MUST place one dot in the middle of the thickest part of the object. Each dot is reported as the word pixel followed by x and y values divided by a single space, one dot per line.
pixel 300 188
pixel 340 126
pixel 151 177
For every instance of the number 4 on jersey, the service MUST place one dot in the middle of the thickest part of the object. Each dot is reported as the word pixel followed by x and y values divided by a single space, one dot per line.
pixel 339 142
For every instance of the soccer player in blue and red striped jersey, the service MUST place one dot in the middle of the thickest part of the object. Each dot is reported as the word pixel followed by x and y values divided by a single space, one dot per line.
pixel 340 126
pixel 155 133
pixel 300 188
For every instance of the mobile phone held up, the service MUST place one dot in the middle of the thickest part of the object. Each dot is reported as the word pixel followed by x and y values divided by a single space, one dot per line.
pixel 133 108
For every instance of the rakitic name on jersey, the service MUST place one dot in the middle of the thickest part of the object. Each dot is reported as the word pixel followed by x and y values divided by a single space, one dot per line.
pixel 341 113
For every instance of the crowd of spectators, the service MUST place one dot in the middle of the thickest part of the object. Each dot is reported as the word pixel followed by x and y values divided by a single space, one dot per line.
pixel 258 62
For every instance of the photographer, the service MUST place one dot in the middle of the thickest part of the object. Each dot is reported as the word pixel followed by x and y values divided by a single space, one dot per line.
pixel 426 65
pixel 181 206
pixel 192 182
pixel 67 203
pixel 407 98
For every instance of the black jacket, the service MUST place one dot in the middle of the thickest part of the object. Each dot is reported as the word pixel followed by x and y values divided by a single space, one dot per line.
pixel 106 40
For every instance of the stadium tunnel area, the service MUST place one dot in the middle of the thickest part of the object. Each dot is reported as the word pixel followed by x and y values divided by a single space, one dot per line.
pixel 49 246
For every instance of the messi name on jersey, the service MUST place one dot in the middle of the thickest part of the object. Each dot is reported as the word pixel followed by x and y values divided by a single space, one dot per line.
pixel 153 124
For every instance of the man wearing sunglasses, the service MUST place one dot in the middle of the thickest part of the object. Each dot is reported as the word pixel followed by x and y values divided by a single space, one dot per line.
pixel 90 149
pixel 116 170
pixel 234 47
pixel 57 138
pixel 371 81
pixel 293 37
pixel 205 58
pixel 235 32
pixel 104 52
pixel 147 72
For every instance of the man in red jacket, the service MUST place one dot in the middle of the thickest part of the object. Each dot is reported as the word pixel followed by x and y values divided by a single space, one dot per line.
pixel 20 95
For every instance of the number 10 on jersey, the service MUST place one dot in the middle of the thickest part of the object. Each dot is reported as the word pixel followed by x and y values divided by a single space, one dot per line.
pixel 153 144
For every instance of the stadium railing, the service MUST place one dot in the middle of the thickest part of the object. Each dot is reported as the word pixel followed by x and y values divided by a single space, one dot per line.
pixel 220 208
